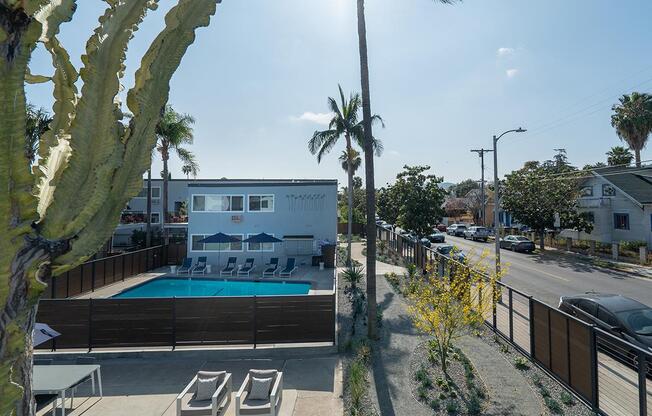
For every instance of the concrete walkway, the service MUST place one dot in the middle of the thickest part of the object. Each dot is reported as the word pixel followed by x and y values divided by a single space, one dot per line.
pixel 391 360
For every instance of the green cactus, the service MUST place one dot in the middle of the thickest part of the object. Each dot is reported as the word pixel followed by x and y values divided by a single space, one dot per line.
pixel 91 163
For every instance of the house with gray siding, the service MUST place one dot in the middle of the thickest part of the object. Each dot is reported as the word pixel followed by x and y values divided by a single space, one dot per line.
pixel 300 212
pixel 619 203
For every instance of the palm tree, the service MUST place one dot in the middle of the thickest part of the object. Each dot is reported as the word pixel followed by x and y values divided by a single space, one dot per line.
pixel 344 123
pixel 353 158
pixel 369 168
pixel 36 123
pixel 619 156
pixel 190 169
pixel 173 131
pixel 632 120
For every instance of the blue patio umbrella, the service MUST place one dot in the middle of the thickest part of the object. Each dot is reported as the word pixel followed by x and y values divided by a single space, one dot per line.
pixel 219 238
pixel 261 239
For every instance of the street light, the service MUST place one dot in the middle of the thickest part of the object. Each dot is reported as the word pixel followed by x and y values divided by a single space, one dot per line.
pixel 496 220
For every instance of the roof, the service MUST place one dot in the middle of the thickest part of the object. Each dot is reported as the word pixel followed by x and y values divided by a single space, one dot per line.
pixel 263 182
pixel 635 182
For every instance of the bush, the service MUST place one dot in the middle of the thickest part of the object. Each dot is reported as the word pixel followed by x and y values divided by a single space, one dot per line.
pixel 357 384
pixel 435 405
pixel 474 407
pixel 521 363
pixel 394 281
pixel 632 245
pixel 452 407
pixel 554 406
pixel 422 393
pixel 567 398
pixel 421 375
pixel 536 379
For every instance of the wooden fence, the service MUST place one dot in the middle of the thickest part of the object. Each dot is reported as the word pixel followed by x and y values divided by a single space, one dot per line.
pixel 608 373
pixel 98 273
pixel 359 229
pixel 172 322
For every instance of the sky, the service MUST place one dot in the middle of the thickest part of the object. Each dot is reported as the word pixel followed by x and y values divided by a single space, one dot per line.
pixel 445 78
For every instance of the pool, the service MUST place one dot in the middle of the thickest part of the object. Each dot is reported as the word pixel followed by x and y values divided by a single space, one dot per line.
pixel 167 287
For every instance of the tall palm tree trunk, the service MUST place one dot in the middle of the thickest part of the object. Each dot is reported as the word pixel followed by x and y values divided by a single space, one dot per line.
pixel 148 227
pixel 164 204
pixel 349 172
pixel 369 174
pixel 637 155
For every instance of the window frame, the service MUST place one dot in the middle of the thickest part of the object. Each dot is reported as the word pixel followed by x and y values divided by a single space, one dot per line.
pixel 192 249
pixel 261 244
pixel 192 202
pixel 626 216
pixel 261 210
pixel 158 214
pixel 153 197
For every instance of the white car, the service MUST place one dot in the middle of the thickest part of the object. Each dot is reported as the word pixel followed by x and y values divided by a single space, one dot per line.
pixel 456 230
pixel 477 233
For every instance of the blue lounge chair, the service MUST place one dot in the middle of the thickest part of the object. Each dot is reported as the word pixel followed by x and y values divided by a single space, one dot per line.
pixel 229 268
pixel 185 266
pixel 200 267
pixel 247 268
pixel 270 271
pixel 290 267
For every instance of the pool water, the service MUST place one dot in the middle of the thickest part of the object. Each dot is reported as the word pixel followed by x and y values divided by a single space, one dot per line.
pixel 167 287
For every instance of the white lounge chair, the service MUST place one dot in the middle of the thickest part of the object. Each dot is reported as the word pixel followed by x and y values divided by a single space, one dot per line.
pixel 229 269
pixel 290 268
pixel 200 267
pixel 189 405
pixel 244 405
pixel 270 271
pixel 247 268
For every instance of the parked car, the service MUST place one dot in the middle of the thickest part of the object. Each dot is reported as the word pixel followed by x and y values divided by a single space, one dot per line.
pixel 517 243
pixel 457 230
pixel 437 237
pixel 441 227
pixel 450 251
pixel 621 316
pixel 425 242
pixel 477 233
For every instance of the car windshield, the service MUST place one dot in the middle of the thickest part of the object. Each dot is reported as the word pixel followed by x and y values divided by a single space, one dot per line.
pixel 639 320
pixel 521 239
pixel 480 229
pixel 461 226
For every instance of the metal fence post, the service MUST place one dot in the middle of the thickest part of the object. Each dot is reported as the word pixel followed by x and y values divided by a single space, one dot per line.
pixel 511 317
pixel 255 322
pixel 90 324
pixel 531 319
pixel 174 322
pixel 642 388
pixel 493 307
pixel 92 277
pixel 67 283
pixel 594 368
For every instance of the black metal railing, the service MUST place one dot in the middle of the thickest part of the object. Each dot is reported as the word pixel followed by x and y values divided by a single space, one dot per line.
pixel 606 372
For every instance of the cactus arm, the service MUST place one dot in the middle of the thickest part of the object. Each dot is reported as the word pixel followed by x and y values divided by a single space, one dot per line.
pixel 83 186
pixel 145 100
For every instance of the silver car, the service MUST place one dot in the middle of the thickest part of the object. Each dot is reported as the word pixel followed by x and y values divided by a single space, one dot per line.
pixel 477 233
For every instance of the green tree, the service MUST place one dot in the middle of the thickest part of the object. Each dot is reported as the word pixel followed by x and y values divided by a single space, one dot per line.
pixel 388 209
pixel 461 189
pixel 345 123
pixel 368 147
pixel 537 192
pixel 632 119
pixel 619 156
pixel 419 199
pixel 37 122
pixel 173 132
pixel 59 214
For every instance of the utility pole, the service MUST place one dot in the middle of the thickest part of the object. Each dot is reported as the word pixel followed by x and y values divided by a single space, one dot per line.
pixel 481 153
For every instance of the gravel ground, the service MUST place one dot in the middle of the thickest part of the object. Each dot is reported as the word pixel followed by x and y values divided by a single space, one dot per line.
pixel 557 399
pixel 347 345
pixel 443 396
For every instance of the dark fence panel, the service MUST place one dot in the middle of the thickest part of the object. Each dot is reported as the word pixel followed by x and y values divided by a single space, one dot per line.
pixel 214 321
pixel 343 228
pixel 171 322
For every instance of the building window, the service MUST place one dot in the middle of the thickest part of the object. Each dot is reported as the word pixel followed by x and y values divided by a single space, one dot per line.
pixel 261 203
pixel 586 191
pixel 267 247
pixel 156 193
pixel 621 221
pixel 608 190
pixel 218 203
pixel 155 218
pixel 198 246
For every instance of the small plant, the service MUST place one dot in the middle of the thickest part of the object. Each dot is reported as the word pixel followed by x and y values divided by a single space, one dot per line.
pixel 554 406
pixel 456 356
pixel 422 393
pixel 452 407
pixel 442 396
pixel 521 363
pixel 353 275
pixel 357 384
pixel 536 380
pixel 364 351
pixel 504 348
pixel 435 404
pixel 394 281
pixel 474 406
pixel 544 392
pixel 452 394
pixel 567 398
pixel 421 375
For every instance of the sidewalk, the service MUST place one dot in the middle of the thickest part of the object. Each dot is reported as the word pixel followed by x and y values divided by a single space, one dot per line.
pixel 391 359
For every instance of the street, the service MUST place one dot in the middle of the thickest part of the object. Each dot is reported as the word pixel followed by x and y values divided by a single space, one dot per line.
pixel 551 275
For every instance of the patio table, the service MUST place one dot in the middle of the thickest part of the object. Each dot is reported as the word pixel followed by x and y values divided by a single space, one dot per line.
pixel 56 379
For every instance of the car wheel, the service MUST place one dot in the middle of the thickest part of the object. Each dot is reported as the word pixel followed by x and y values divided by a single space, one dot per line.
pixel 512 247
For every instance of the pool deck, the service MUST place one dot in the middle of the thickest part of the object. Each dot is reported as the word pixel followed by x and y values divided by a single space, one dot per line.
pixel 322 281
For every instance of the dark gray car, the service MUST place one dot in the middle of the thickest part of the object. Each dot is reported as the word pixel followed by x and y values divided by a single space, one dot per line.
pixel 621 316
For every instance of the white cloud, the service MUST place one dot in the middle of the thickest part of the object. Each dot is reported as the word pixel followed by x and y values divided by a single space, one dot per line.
pixel 393 153
pixel 318 118
pixel 512 72
pixel 505 51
